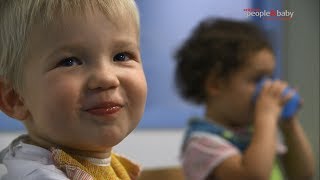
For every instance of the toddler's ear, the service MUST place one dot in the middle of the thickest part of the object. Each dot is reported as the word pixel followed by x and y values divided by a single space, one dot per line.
pixel 11 103
pixel 212 84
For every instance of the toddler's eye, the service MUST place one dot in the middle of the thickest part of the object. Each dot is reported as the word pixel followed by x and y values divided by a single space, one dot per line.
pixel 121 57
pixel 70 61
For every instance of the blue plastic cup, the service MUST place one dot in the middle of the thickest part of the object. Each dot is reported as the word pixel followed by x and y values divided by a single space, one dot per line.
pixel 292 105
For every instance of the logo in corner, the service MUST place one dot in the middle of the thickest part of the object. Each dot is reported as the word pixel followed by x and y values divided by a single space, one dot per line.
pixel 273 14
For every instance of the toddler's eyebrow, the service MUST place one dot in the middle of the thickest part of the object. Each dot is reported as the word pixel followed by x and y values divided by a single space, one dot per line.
pixel 126 44
pixel 67 48
pixel 79 47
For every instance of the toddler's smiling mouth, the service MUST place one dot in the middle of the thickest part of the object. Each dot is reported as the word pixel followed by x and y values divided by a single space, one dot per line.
pixel 104 109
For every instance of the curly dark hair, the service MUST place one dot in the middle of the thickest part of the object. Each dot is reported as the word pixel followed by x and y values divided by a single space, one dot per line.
pixel 216 45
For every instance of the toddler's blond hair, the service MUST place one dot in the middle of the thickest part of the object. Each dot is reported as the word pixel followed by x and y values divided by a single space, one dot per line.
pixel 18 17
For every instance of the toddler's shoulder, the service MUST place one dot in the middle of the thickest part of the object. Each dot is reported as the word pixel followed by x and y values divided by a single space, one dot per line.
pixel 25 161
pixel 204 152
pixel 209 144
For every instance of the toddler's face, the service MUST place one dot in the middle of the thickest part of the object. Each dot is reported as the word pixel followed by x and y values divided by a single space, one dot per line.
pixel 237 94
pixel 84 84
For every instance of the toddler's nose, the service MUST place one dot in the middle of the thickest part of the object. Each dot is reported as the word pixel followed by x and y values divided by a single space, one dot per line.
pixel 103 77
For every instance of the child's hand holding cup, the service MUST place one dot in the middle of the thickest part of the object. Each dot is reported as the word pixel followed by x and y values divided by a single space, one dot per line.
pixel 292 105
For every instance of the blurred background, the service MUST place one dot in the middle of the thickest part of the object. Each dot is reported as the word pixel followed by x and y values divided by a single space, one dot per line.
pixel 164 26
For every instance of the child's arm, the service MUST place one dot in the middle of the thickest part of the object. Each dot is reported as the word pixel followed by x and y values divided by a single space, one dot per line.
pixel 257 161
pixel 298 161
